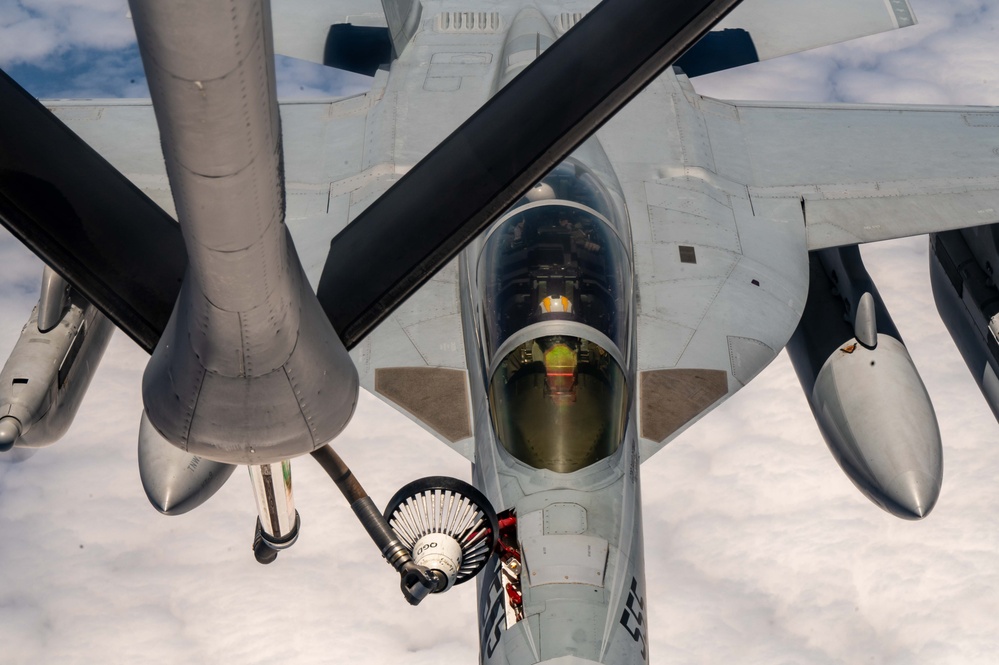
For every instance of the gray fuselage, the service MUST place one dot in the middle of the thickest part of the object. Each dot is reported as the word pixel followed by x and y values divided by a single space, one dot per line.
pixel 578 590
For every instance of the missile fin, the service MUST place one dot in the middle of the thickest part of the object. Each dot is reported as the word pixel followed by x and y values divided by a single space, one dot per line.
pixel 52 300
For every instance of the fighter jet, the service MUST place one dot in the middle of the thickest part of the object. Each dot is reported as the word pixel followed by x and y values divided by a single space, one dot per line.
pixel 554 291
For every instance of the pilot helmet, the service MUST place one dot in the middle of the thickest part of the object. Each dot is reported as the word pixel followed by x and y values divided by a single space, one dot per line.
pixel 556 305
pixel 540 192
pixel 561 365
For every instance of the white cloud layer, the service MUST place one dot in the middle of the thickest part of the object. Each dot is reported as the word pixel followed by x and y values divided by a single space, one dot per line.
pixel 758 548
pixel 87 49
pixel 32 31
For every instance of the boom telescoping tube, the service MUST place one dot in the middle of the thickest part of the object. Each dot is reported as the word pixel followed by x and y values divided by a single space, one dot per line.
pixel 278 522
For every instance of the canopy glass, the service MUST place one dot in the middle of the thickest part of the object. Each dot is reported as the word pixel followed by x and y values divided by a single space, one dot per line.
pixel 555 284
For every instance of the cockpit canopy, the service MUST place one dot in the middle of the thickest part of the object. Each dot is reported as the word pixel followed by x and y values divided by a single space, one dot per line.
pixel 555 283
pixel 559 402
pixel 554 259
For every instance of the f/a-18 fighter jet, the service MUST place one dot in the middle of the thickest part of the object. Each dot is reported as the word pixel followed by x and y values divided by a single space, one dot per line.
pixel 532 237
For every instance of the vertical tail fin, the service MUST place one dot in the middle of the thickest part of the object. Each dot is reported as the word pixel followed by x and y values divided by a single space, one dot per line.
pixel 403 18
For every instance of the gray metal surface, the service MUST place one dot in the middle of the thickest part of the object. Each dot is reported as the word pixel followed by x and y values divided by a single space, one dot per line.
pixel 877 418
pixel 403 19
pixel 723 201
pixel 672 186
pixel 769 23
pixel 501 151
pixel 864 391
pixel 43 383
pixel 735 307
pixel 52 300
pixel 838 283
pixel 248 369
pixel 275 500
pixel 174 480
pixel 968 301
pixel 865 323
pixel 862 173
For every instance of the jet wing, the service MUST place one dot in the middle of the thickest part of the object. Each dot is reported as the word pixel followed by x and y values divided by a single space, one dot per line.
pixel 715 190
pixel 418 353
pixel 323 144
pixel 863 173
pixel 780 27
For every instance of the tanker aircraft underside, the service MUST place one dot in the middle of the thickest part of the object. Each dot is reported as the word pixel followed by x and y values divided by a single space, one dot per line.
pixel 542 246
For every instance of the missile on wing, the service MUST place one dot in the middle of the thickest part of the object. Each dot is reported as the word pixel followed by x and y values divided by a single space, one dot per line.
pixel 867 397
pixel 176 481
pixel 44 380
pixel 961 266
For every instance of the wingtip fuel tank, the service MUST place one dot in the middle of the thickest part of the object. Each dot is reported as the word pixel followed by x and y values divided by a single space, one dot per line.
pixel 867 397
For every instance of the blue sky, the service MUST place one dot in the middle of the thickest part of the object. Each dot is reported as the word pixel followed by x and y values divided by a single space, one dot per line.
pixel 84 72
pixel 759 550
pixel 90 73
pixel 80 49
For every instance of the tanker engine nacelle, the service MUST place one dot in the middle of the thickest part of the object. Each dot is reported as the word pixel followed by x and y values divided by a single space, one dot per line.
pixel 867 397
pixel 47 374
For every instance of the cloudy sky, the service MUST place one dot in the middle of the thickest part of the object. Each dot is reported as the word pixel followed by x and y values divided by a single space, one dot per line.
pixel 759 550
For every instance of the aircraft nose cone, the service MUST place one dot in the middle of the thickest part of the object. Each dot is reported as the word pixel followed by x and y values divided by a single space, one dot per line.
pixel 10 429
pixel 912 495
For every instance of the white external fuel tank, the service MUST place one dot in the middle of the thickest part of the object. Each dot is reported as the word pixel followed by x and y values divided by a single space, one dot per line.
pixel 867 397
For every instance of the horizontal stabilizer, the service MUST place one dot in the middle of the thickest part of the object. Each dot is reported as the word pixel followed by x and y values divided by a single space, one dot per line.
pixel 766 29
pixel 403 17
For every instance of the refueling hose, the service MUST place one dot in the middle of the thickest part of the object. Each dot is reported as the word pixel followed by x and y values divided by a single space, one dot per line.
pixel 417 582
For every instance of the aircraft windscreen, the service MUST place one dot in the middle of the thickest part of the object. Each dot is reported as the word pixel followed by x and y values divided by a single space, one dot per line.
pixel 559 402
pixel 554 261
pixel 555 284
